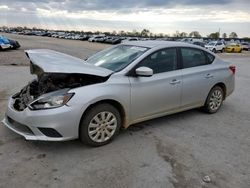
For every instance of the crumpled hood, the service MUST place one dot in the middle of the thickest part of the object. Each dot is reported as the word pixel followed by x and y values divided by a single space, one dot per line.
pixel 51 61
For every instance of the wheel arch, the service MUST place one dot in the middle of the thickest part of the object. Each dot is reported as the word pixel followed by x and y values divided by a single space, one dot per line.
pixel 223 87
pixel 112 102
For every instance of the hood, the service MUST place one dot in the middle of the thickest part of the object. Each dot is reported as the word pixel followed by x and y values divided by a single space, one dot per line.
pixel 50 61
pixel 4 40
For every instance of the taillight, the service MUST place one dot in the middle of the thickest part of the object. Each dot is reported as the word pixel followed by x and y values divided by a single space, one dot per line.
pixel 233 69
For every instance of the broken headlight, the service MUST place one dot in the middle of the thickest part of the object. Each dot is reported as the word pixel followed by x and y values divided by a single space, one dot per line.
pixel 51 100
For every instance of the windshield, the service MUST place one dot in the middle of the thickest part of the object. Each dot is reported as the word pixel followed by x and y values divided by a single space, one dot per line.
pixel 212 43
pixel 117 58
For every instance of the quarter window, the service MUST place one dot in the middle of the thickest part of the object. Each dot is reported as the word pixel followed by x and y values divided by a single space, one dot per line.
pixel 192 57
pixel 210 58
pixel 161 61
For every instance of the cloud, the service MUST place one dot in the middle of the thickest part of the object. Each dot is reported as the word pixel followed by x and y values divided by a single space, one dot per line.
pixel 164 16
pixel 79 5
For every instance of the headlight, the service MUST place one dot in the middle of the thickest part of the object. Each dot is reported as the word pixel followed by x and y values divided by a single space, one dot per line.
pixel 51 100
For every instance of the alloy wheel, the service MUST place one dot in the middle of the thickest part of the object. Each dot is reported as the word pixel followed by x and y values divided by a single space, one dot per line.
pixel 215 100
pixel 102 126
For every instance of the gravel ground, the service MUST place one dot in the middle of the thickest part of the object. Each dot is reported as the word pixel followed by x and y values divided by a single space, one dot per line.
pixel 80 49
pixel 175 151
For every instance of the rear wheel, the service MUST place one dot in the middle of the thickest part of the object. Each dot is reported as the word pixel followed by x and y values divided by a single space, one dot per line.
pixel 214 100
pixel 100 125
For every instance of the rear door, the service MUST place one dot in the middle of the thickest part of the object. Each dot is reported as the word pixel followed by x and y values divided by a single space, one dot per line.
pixel 198 77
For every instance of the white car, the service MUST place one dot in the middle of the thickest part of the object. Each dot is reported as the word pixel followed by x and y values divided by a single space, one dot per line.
pixel 94 38
pixel 215 46
pixel 245 46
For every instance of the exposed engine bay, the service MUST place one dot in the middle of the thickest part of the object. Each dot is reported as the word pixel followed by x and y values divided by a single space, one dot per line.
pixel 49 82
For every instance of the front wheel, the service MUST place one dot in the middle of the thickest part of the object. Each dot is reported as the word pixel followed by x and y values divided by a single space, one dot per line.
pixel 100 125
pixel 214 50
pixel 214 100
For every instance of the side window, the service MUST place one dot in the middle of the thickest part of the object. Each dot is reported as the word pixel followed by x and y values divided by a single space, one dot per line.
pixel 192 57
pixel 161 61
pixel 210 58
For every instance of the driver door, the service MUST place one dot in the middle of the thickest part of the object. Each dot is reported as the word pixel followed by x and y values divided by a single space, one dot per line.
pixel 160 93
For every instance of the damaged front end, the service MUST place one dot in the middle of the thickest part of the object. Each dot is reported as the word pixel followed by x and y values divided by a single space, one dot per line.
pixel 51 86
pixel 56 73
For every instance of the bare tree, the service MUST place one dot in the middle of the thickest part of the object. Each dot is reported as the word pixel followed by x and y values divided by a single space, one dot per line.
pixel 145 33
pixel 215 35
pixel 195 34
pixel 233 35
pixel 224 35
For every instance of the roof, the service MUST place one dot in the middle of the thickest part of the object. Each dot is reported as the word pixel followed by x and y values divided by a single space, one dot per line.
pixel 155 43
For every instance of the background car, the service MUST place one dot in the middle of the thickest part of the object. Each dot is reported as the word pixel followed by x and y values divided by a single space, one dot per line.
pixel 233 47
pixel 14 44
pixel 202 44
pixel 4 43
pixel 245 46
pixel 215 46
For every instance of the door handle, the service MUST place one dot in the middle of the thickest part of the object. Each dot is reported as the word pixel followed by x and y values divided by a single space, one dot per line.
pixel 174 81
pixel 209 76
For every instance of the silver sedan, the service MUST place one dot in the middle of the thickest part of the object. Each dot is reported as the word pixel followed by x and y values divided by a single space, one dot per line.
pixel 123 85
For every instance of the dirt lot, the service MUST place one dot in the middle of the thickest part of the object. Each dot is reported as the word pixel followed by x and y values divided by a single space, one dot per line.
pixel 80 49
pixel 174 151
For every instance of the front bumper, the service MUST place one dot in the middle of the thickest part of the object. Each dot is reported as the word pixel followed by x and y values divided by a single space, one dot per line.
pixel 209 48
pixel 57 124
pixel 5 46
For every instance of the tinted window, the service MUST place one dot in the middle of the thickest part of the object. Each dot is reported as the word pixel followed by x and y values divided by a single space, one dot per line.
pixel 192 57
pixel 210 58
pixel 161 61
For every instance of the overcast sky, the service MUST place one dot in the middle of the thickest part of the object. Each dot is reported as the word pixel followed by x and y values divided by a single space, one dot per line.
pixel 159 16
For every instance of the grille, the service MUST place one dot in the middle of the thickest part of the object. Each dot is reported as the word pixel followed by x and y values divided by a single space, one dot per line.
pixel 19 127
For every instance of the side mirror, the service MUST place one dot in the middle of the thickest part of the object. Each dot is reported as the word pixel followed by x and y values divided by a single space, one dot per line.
pixel 144 71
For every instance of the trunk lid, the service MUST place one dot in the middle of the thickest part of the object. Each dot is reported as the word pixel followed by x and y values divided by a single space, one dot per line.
pixel 50 61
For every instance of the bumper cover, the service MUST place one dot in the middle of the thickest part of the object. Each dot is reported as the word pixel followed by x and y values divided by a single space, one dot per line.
pixel 5 46
pixel 65 120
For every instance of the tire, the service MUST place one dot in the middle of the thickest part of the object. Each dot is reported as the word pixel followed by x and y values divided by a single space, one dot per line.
pixel 214 100
pixel 233 50
pixel 96 129
pixel 214 50
pixel 223 50
pixel 240 51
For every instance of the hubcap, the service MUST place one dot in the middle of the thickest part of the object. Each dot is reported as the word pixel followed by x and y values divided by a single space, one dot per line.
pixel 102 126
pixel 215 100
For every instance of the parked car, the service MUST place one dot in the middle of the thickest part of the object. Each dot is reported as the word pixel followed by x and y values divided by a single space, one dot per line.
pixel 215 46
pixel 233 47
pixel 245 46
pixel 202 44
pixel 129 39
pixel 4 43
pixel 95 38
pixel 117 87
pixel 14 44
